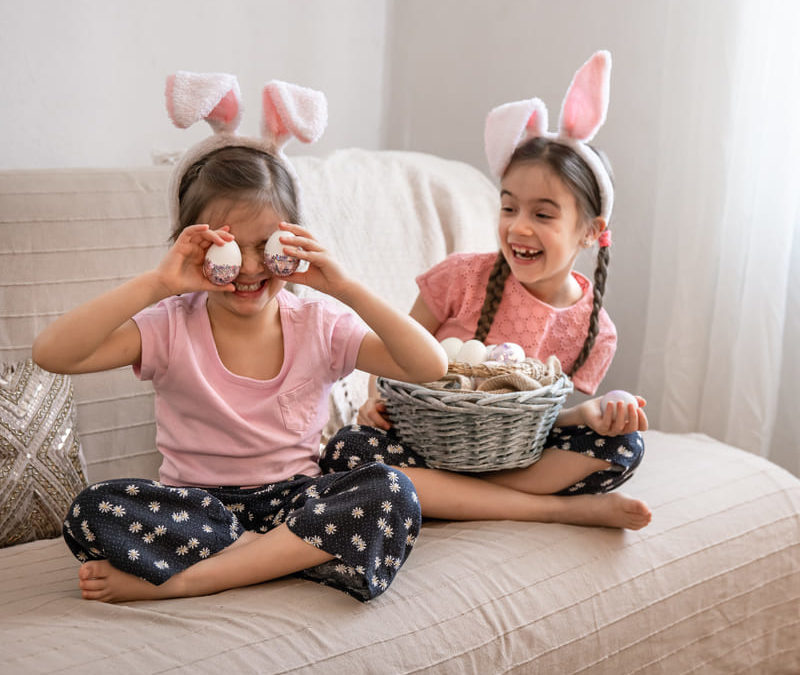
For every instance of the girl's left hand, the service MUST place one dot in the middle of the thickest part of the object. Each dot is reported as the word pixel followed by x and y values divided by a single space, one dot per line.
pixel 324 273
pixel 617 418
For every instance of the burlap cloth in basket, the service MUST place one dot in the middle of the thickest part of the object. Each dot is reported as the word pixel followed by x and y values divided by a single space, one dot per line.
pixel 499 378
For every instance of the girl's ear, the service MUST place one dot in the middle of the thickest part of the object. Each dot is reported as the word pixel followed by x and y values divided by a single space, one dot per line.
pixel 509 125
pixel 586 102
pixel 293 111
pixel 214 97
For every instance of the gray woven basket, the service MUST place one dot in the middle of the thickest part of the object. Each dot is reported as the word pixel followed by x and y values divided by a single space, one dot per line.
pixel 474 431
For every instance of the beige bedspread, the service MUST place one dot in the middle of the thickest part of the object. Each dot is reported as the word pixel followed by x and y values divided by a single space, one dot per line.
pixel 712 586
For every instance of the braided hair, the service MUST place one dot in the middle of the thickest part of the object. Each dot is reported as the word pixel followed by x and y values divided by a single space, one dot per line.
pixel 578 177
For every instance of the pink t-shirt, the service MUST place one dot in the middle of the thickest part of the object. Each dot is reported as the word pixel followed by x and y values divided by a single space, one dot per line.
pixel 454 291
pixel 216 428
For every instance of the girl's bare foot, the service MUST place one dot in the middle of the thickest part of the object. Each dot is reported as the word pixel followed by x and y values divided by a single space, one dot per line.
pixel 613 509
pixel 98 580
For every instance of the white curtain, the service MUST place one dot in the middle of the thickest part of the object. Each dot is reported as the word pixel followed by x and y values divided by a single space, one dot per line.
pixel 722 342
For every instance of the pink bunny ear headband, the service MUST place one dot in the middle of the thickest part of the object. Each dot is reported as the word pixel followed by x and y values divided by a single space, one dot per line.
pixel 582 113
pixel 289 111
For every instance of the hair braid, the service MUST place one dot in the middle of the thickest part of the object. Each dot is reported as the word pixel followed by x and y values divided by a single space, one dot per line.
pixel 600 277
pixel 494 294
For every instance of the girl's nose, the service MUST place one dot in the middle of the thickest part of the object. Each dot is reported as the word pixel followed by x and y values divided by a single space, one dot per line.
pixel 521 225
pixel 252 261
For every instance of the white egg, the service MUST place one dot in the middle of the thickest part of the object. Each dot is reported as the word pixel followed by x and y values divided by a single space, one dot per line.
pixel 618 395
pixel 506 352
pixel 222 263
pixel 277 261
pixel 451 346
pixel 472 352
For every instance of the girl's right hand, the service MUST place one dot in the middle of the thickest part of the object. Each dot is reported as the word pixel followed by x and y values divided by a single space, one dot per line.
pixel 373 414
pixel 181 269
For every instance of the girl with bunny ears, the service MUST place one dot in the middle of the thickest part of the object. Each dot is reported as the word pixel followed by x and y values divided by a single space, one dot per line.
pixel 242 373
pixel 556 199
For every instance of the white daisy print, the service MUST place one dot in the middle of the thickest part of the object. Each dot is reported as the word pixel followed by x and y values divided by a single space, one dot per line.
pixel 378 458
pixel 204 552
pixel 149 538
pixel 182 550
pixel 205 501
pixel 236 508
pixel 388 532
pixel 314 541
pixel 382 523
pixel 357 512
pixel 373 441
pixel 183 492
pixel 360 570
pixel 408 522
pixel 383 584
pixel 386 506
pixel 330 528
pixel 394 487
pixel 410 540
pixel 622 450
pixel 135 527
pixel 353 461
pixel 83 557
pixel 339 445
pixel 155 507
pixel 118 511
pixel 162 564
pixel 358 542
pixel 76 511
pixel 394 449
pixel 600 442
pixel 105 507
pixel 87 533
pixel 207 529
pixel 319 509
pixel 160 530
pixel 341 569
pixel 312 492
pixel 193 542
pixel 275 501
pixel 132 490
pixel 180 516
pixel 377 561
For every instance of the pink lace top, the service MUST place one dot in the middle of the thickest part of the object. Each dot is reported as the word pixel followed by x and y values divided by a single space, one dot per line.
pixel 454 291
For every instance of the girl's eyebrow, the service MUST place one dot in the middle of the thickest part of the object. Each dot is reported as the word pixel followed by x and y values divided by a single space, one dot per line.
pixel 543 200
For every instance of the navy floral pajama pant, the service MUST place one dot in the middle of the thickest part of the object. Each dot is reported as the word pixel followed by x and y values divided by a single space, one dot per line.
pixel 367 518
pixel 355 444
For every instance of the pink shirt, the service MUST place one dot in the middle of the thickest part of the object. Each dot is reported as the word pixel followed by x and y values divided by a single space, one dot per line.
pixel 454 291
pixel 217 428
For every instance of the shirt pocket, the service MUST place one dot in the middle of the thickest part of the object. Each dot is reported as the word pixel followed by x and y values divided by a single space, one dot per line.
pixel 299 406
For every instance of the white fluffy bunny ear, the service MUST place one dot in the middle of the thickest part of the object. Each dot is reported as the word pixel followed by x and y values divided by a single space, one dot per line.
pixel 584 109
pixel 214 97
pixel 292 111
pixel 509 125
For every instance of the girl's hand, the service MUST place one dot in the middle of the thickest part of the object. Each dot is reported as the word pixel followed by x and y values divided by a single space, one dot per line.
pixel 181 269
pixel 373 414
pixel 324 273
pixel 617 418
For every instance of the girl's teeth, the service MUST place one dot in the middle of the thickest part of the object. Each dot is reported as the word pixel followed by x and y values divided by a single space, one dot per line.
pixel 247 287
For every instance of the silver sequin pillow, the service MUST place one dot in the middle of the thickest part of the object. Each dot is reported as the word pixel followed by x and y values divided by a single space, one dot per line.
pixel 40 455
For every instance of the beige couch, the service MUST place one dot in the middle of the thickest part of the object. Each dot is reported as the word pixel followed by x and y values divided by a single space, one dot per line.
pixel 712 585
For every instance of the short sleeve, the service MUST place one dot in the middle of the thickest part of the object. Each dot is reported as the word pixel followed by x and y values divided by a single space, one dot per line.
pixel 347 332
pixel 154 328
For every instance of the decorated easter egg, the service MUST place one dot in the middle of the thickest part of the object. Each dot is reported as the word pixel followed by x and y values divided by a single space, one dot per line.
pixel 505 352
pixel 222 263
pixel 277 262
pixel 451 346
pixel 472 352
pixel 618 395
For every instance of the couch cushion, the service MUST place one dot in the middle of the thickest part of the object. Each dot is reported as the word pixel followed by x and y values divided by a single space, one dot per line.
pixel 40 455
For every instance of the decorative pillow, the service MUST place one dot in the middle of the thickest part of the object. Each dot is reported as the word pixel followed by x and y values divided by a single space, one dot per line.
pixel 40 455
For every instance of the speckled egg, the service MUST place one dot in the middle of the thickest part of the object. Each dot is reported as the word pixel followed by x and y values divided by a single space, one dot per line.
pixel 506 352
pixel 222 263
pixel 277 262
pixel 618 395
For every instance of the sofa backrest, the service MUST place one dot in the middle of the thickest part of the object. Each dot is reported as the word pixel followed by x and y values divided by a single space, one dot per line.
pixel 67 235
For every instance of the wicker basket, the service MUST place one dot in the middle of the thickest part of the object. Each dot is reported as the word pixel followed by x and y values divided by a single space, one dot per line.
pixel 474 431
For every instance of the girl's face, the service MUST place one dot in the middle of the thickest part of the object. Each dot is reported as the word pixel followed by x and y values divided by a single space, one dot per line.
pixel 251 225
pixel 541 232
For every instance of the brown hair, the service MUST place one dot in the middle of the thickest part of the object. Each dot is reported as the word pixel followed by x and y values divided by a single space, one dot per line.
pixel 236 173
pixel 580 180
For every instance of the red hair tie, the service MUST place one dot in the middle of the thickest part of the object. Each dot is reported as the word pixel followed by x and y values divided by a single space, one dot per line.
pixel 605 238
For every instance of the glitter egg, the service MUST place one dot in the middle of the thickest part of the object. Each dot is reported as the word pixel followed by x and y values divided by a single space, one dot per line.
pixel 506 352
pixel 472 352
pixel 618 395
pixel 222 263
pixel 277 262
pixel 451 346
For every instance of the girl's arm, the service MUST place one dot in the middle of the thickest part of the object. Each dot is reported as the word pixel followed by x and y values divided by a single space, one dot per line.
pixel 398 347
pixel 100 334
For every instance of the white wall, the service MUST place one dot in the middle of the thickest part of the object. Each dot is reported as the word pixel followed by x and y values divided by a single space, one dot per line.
pixel 83 80
pixel 454 60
